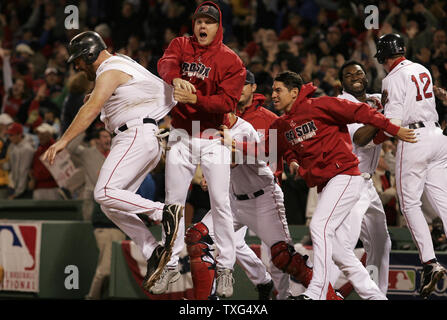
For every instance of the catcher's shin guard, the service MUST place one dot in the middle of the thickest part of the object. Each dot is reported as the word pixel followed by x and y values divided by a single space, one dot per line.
pixel 203 266
pixel 285 258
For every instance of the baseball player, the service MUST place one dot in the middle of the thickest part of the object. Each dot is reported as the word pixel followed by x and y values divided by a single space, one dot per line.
pixel 208 78
pixel 257 202
pixel 131 100
pixel 315 130
pixel 422 166
pixel 250 108
pixel 368 219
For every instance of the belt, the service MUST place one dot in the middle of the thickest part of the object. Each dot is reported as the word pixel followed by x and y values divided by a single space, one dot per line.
pixel 420 124
pixel 250 195
pixel 124 127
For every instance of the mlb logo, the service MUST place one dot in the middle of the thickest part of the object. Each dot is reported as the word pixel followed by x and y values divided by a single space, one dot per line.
pixel 406 280
pixel 402 280
pixel 20 256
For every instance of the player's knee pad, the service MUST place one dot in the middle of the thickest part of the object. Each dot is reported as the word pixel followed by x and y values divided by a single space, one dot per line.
pixel 282 253
pixel 285 258
pixel 198 240
pixel 198 233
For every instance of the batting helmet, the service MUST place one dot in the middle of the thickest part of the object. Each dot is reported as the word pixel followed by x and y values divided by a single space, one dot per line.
pixel 86 45
pixel 389 45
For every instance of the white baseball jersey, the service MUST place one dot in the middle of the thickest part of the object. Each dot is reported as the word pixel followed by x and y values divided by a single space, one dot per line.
pixel 410 93
pixel 143 96
pixel 370 154
pixel 420 166
pixel 248 178
pixel 264 215
pixel 134 152
pixel 368 220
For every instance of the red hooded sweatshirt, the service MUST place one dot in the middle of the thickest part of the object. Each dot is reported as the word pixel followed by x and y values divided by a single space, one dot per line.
pixel 315 131
pixel 258 116
pixel 216 71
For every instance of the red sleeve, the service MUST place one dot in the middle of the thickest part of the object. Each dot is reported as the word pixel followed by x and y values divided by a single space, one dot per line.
pixel 228 91
pixel 380 137
pixel 168 65
pixel 290 157
pixel 344 112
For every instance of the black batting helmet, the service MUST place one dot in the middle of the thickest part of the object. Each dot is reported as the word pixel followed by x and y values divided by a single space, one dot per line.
pixel 389 45
pixel 86 45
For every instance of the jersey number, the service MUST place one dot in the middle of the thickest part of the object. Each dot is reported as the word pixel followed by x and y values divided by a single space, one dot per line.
pixel 425 79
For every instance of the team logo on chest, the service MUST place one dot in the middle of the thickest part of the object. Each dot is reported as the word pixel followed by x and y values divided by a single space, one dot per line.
pixel 300 133
pixel 193 69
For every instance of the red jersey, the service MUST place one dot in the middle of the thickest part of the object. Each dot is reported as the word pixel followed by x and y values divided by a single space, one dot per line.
pixel 217 73
pixel 316 132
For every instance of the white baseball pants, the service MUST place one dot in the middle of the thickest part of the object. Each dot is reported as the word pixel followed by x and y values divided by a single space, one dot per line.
pixel 422 166
pixel 265 216
pixel 331 217
pixel 134 153
pixel 368 222
pixel 183 155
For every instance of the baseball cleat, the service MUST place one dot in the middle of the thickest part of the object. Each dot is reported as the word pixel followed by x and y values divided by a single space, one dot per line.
pixel 431 274
pixel 225 282
pixel 303 297
pixel 155 266
pixel 167 276
pixel 265 290
pixel 172 213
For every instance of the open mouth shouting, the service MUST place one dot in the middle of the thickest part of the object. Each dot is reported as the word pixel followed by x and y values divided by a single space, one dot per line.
pixel 205 30
pixel 202 36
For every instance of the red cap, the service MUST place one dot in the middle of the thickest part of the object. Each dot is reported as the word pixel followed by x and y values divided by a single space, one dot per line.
pixel 15 128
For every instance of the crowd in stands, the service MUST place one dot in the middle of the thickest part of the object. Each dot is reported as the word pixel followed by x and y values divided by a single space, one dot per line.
pixel 40 94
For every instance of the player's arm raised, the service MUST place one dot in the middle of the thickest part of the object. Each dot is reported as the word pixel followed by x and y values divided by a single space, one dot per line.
pixel 105 85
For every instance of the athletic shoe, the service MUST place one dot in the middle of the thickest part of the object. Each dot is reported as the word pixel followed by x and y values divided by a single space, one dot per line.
pixel 265 290
pixel 431 274
pixel 167 276
pixel 155 265
pixel 172 214
pixel 303 297
pixel 224 283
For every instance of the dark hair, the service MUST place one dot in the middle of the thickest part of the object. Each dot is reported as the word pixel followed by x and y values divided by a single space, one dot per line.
pixel 290 79
pixel 97 131
pixel 347 64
